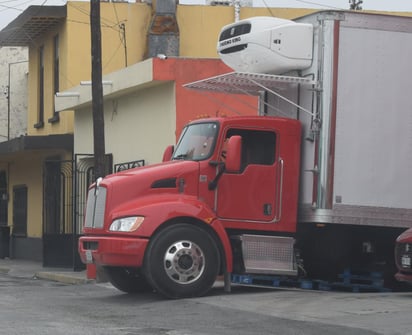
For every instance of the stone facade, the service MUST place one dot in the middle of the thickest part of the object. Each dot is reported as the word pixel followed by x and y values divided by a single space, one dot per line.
pixel 14 92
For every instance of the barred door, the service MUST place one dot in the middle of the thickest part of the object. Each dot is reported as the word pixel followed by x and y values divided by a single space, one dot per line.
pixel 20 211
pixel 84 177
pixel 58 233
pixel 3 199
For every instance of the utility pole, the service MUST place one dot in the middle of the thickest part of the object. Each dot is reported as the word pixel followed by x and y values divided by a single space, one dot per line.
pixel 97 90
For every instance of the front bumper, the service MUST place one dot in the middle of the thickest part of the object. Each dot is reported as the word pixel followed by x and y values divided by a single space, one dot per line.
pixel 404 277
pixel 112 251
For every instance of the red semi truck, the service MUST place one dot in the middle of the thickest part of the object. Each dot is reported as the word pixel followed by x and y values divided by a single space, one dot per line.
pixel 316 183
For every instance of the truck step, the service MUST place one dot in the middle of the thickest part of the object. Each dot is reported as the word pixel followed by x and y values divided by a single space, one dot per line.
pixel 272 281
pixel 372 282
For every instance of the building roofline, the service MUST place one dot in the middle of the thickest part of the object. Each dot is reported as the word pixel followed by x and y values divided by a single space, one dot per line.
pixel 46 142
pixel 115 84
pixel 32 23
pixel 139 76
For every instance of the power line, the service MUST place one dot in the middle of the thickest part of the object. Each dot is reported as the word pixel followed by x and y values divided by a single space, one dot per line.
pixel 318 4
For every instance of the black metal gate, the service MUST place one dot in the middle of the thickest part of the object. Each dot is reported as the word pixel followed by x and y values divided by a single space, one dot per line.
pixel 4 228
pixel 20 210
pixel 65 192
pixel 3 199
pixel 84 177
pixel 58 233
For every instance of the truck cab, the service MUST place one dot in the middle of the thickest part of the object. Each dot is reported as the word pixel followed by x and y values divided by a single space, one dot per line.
pixel 231 185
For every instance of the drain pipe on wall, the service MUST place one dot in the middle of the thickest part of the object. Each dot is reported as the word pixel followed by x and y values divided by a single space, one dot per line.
pixel 236 5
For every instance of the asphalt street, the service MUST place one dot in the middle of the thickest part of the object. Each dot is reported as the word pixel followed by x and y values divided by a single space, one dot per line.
pixel 32 305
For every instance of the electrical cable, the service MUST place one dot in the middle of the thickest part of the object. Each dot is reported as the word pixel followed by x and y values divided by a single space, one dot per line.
pixel 122 32
pixel 318 4
pixel 302 1
pixel 107 23
pixel 5 7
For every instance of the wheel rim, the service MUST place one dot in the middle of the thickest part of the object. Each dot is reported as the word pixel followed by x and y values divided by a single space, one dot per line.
pixel 184 262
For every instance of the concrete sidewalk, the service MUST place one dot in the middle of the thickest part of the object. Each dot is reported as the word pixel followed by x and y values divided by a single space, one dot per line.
pixel 31 269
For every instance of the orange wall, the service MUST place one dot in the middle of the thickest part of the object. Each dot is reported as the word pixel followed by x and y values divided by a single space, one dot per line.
pixel 190 104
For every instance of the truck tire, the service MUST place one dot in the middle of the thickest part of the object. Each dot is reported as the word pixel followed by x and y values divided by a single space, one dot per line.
pixel 182 261
pixel 129 280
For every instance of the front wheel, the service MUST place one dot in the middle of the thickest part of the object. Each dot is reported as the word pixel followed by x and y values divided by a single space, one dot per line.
pixel 182 261
pixel 129 280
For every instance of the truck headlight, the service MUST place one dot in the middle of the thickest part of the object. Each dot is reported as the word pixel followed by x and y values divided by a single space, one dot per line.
pixel 127 224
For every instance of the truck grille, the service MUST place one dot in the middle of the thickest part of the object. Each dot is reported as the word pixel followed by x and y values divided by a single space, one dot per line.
pixel 403 254
pixel 96 204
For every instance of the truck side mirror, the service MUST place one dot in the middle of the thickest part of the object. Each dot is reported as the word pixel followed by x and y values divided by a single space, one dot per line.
pixel 168 153
pixel 233 154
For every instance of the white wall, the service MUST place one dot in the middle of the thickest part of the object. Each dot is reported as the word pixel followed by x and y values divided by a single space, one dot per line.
pixel 137 126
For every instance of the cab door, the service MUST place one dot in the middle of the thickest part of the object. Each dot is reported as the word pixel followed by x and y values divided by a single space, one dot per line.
pixel 254 193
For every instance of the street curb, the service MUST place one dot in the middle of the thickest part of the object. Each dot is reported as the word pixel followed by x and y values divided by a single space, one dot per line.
pixel 62 277
pixel 65 278
pixel 4 269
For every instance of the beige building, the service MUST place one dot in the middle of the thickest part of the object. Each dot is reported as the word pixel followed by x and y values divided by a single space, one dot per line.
pixel 37 167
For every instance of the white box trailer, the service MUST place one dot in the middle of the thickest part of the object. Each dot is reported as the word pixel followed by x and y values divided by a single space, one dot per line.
pixel 354 104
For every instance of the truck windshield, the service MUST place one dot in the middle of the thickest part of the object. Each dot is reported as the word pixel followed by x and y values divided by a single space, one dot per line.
pixel 196 142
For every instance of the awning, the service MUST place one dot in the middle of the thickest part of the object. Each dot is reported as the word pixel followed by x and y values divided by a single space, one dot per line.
pixel 32 23
pixel 253 84
pixel 248 83
pixel 27 143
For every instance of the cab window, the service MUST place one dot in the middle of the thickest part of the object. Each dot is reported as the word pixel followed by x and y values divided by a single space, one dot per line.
pixel 258 147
